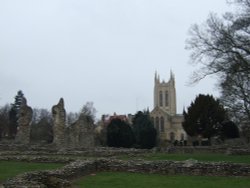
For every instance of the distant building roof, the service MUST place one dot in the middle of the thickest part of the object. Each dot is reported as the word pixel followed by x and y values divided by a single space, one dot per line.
pixel 108 119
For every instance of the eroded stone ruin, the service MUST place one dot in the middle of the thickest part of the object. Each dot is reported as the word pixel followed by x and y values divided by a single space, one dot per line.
pixel 24 121
pixel 80 133
pixel 77 135
pixel 61 177
pixel 59 120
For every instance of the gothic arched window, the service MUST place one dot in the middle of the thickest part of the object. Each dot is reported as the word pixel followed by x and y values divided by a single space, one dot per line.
pixel 182 136
pixel 162 124
pixel 161 98
pixel 157 123
pixel 166 98
pixel 172 137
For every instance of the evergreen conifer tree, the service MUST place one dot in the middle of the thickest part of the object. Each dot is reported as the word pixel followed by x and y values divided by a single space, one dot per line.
pixel 144 131
pixel 204 117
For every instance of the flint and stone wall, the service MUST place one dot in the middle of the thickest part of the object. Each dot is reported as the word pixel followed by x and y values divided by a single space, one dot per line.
pixel 80 134
pixel 24 121
pixel 59 119
pixel 61 177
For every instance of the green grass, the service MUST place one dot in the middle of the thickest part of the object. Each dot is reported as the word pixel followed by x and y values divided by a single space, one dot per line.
pixel 135 180
pixel 12 168
pixel 204 157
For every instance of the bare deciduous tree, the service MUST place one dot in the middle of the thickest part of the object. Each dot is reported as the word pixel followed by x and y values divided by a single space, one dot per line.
pixel 221 46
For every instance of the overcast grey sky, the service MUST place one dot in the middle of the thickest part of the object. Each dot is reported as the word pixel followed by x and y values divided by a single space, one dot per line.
pixel 105 51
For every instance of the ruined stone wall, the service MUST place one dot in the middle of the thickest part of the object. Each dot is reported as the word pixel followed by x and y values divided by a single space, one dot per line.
pixel 46 149
pixel 86 137
pixel 52 178
pixel 59 120
pixel 61 177
pixel 242 151
pixel 24 121
pixel 80 134
pixel 189 167
pixel 37 150
pixel 72 136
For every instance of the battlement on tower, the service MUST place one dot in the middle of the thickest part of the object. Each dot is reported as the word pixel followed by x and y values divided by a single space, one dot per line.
pixel 165 94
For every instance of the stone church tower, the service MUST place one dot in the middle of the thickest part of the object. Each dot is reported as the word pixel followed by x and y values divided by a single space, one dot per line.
pixel 166 121
pixel 165 95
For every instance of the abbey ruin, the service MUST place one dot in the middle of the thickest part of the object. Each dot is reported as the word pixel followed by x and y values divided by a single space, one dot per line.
pixel 78 134
pixel 25 117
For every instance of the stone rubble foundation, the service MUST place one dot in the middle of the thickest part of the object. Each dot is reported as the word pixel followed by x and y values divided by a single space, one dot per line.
pixel 61 178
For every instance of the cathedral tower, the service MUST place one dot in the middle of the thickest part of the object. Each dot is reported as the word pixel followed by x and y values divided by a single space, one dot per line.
pixel 165 94
pixel 167 123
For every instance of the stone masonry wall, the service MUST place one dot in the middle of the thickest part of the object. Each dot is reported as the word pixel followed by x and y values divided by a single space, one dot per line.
pixel 61 177
pixel 24 121
pixel 59 120
pixel 80 134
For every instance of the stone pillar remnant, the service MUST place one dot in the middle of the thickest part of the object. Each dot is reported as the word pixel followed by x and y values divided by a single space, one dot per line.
pixel 24 121
pixel 59 119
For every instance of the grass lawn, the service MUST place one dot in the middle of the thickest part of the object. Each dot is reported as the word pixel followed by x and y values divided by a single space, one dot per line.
pixel 135 180
pixel 12 168
pixel 205 157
